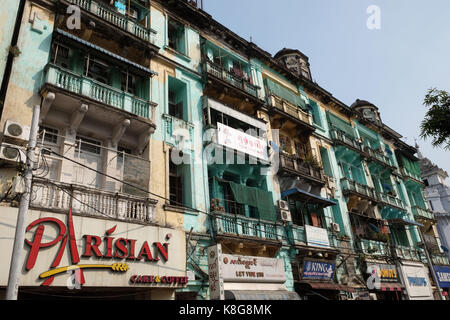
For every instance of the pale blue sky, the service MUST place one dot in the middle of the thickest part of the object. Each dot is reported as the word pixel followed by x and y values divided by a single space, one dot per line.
pixel 392 67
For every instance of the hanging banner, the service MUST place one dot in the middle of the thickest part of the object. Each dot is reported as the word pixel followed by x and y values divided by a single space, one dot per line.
pixel 317 237
pixel 240 141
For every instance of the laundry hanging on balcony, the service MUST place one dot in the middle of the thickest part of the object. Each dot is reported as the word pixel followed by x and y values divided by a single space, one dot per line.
pixel 262 200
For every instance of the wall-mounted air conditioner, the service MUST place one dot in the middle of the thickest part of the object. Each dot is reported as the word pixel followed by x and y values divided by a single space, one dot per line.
pixel 16 133
pixel 12 153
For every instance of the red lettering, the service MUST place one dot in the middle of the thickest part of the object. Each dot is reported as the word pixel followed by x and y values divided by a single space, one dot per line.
pixel 36 245
pixel 109 244
pixel 132 246
pixel 133 279
pixel 121 246
pixel 145 250
pixel 89 246
pixel 163 249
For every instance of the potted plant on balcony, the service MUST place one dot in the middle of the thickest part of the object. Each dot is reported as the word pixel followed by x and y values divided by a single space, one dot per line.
pixel 312 161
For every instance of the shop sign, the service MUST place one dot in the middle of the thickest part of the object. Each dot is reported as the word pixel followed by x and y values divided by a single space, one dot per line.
pixel 385 272
pixel 443 276
pixel 147 279
pixel 417 282
pixel 120 251
pixel 252 269
pixel 240 141
pixel 216 288
pixel 317 270
pixel 317 237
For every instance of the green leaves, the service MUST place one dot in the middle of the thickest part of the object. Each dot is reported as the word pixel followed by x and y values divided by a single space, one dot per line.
pixel 436 124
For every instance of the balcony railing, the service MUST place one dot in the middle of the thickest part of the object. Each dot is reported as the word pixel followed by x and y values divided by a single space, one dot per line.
pixel 375 154
pixel 103 93
pixel 109 14
pixel 409 253
pixel 239 225
pixel 299 165
pixel 290 109
pixel 345 139
pixel 353 186
pixel 408 174
pixel 299 236
pixel 221 73
pixel 370 247
pixel 422 213
pixel 391 200
pixel 60 197
pixel 440 259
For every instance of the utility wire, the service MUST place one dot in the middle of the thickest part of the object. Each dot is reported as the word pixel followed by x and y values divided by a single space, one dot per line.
pixel 156 195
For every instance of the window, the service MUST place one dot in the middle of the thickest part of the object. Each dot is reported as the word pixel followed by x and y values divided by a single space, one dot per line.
pixel 301 149
pixel 175 109
pixel 306 214
pixel 128 83
pixel 285 143
pixel 431 205
pixel 315 112
pixel 61 55
pixel 176 33
pixel 97 70
pixel 48 135
pixel 175 185
pixel 88 145
pixel 426 183
pixel 177 99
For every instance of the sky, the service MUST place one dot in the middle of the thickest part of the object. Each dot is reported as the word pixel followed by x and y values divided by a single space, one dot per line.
pixel 392 67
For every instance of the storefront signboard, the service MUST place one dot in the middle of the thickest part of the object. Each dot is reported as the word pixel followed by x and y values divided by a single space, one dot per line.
pixel 318 270
pixel 443 276
pixel 416 281
pixel 387 273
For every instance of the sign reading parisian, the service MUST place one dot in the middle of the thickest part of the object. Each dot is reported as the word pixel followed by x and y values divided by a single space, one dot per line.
pixel 98 252
pixel 240 141
pixel 317 270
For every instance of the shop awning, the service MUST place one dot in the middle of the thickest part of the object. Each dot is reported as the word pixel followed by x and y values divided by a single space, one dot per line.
pixel 260 295
pixel 391 287
pixel 327 286
pixel 405 222
pixel 301 195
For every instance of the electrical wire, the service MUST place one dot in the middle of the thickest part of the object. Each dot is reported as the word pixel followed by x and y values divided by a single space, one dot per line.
pixel 159 196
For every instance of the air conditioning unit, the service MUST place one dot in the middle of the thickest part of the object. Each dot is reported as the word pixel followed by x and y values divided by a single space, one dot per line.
pixel 16 133
pixel 285 215
pixel 12 153
pixel 335 227
pixel 283 205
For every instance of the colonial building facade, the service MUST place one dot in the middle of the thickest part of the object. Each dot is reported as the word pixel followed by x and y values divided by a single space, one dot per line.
pixel 197 165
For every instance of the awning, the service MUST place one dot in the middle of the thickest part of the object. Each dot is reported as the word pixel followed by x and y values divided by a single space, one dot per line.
pixel 327 286
pixel 301 195
pixel 106 52
pixel 405 222
pixel 390 287
pixel 260 295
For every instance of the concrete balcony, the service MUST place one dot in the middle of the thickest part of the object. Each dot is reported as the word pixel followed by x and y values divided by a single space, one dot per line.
pixel 440 259
pixel 83 86
pixel 349 186
pixel 237 225
pixel 408 175
pixel 423 213
pixel 347 141
pixel 373 248
pixel 299 167
pixel 376 155
pixel 59 197
pixel 222 74
pixel 110 15
pixel 298 234
pixel 391 201
pixel 408 253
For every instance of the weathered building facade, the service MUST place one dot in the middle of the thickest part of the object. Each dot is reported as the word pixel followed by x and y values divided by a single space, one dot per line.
pixel 224 171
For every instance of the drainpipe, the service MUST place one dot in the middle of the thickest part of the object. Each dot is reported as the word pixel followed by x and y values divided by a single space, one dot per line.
pixel 10 59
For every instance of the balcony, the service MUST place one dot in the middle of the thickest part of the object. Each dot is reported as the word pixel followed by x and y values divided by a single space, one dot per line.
pixel 379 157
pixel 344 139
pixel 349 186
pixel 423 213
pixel 236 225
pixel 78 84
pixel 110 15
pixel 440 259
pixel 298 166
pixel 374 248
pixel 391 201
pixel 222 74
pixel 411 176
pixel 299 237
pixel 409 253
pixel 60 197
pixel 295 113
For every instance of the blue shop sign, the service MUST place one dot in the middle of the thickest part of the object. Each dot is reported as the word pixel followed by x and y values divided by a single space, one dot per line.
pixel 443 276
pixel 317 270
